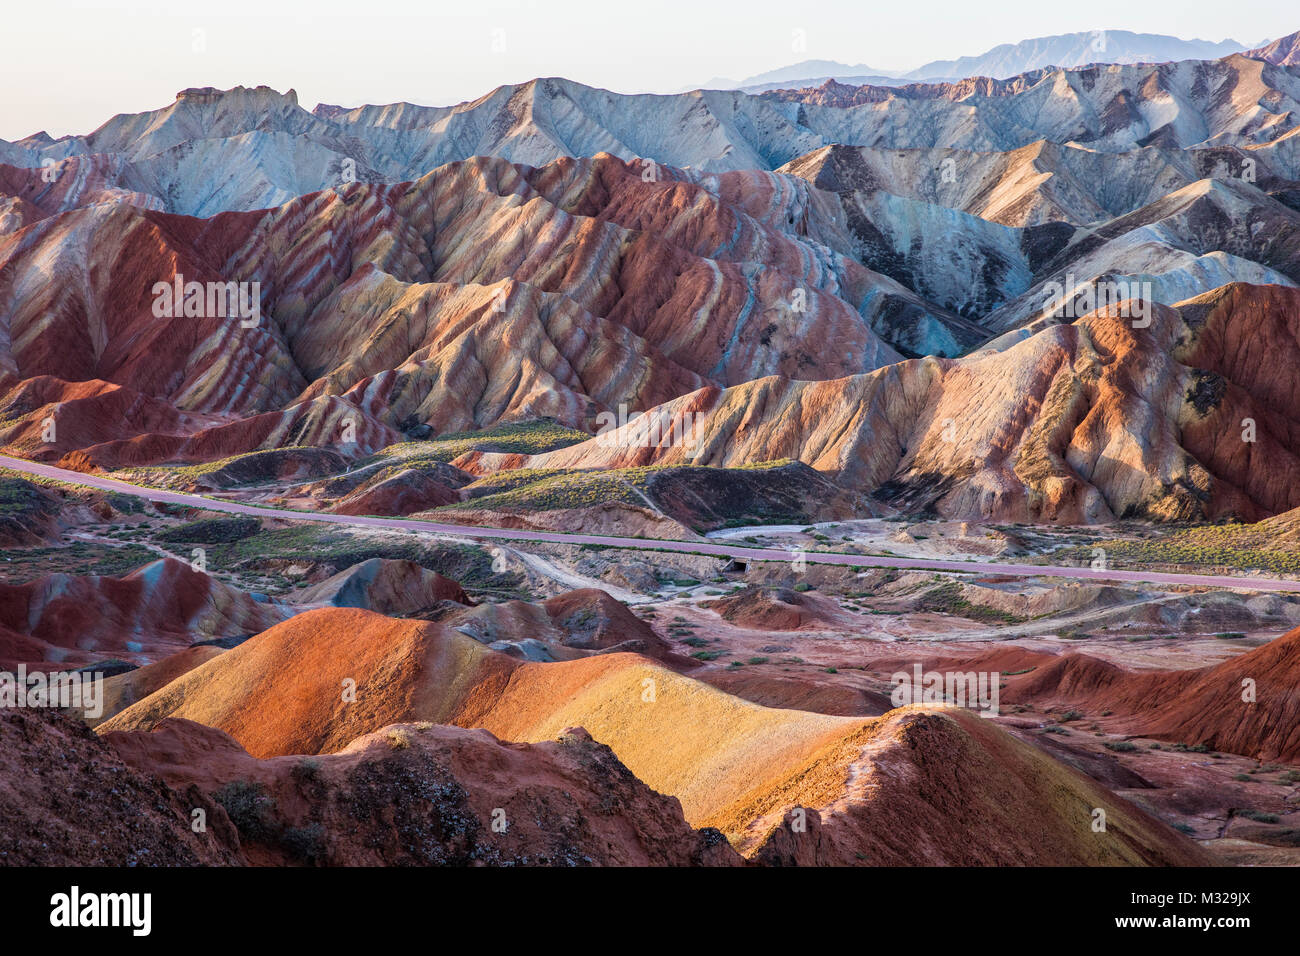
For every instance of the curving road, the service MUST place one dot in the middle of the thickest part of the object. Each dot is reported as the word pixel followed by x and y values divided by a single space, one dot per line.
pixel 1240 582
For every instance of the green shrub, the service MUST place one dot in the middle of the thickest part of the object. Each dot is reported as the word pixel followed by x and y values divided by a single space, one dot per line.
pixel 1259 817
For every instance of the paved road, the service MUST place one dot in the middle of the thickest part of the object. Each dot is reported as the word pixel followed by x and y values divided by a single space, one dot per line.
pixel 651 544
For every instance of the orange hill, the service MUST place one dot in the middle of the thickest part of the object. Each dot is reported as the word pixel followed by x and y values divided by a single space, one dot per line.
pixel 732 764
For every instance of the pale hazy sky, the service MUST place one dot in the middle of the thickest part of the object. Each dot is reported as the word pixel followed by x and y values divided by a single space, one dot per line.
pixel 68 65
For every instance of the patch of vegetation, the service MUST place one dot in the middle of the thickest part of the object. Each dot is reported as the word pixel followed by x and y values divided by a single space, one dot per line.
pixel 306 770
pixel 304 843
pixel 947 598
pixel 251 810
pixel 25 564
pixel 20 497
pixel 1259 816
pixel 54 484
pixel 267 550
pixel 516 438
pixel 550 490
pixel 258 465
pixel 705 497
pixel 1232 546
pixel 212 531
pixel 1121 746
pixel 249 807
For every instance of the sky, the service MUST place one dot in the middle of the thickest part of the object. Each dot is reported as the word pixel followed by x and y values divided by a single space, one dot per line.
pixel 69 66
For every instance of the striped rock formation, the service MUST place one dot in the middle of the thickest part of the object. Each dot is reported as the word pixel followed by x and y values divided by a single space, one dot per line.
pixel 1078 423
pixel 481 292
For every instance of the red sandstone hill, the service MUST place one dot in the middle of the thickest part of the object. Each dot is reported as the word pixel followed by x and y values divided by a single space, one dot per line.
pixel 568 626
pixel 30 513
pixel 383 585
pixel 404 493
pixel 1200 706
pixel 731 763
pixel 408 795
pixel 780 609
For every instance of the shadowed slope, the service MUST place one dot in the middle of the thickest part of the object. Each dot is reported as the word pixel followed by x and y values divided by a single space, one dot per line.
pixel 425 795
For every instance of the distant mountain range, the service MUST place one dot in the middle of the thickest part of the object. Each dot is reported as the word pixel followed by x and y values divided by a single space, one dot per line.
pixel 1004 60
pixel 213 151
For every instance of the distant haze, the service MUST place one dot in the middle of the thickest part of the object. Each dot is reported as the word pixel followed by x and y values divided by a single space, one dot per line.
pixel 69 67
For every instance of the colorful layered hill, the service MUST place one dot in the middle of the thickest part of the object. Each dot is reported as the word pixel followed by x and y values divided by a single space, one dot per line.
pixel 1189 417
pixel 410 795
pixel 482 292
pixel 164 607
pixel 732 764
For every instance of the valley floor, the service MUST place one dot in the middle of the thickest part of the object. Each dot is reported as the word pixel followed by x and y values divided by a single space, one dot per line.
pixel 816 619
